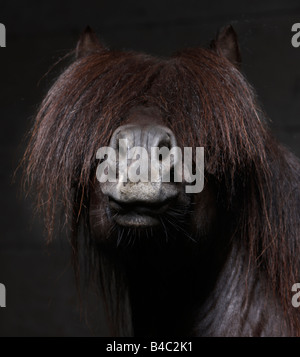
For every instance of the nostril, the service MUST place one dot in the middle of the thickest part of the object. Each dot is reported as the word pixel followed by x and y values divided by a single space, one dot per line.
pixel 165 142
pixel 104 158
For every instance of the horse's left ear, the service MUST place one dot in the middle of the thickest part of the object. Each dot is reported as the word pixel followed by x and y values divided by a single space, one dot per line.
pixel 226 45
pixel 88 43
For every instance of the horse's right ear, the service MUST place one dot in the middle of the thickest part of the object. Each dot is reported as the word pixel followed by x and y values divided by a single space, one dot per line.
pixel 88 43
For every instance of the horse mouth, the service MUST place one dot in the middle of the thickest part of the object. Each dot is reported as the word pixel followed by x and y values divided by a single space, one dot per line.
pixel 137 214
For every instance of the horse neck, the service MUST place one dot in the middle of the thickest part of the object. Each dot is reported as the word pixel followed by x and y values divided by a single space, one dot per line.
pixel 166 290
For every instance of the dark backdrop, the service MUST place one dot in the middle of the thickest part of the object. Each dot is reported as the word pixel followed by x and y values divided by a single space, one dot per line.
pixel 41 293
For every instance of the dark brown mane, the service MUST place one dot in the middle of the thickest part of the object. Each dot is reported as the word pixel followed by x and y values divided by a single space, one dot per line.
pixel 205 101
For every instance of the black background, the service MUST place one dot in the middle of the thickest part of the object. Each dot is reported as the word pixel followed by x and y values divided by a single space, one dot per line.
pixel 41 293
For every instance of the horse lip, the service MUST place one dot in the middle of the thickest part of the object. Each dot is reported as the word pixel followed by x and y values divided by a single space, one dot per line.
pixel 138 207
pixel 134 219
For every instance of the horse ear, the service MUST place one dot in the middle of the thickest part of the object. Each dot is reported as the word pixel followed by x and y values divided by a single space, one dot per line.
pixel 226 45
pixel 88 43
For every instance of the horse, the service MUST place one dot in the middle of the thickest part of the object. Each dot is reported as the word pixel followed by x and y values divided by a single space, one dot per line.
pixel 170 262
